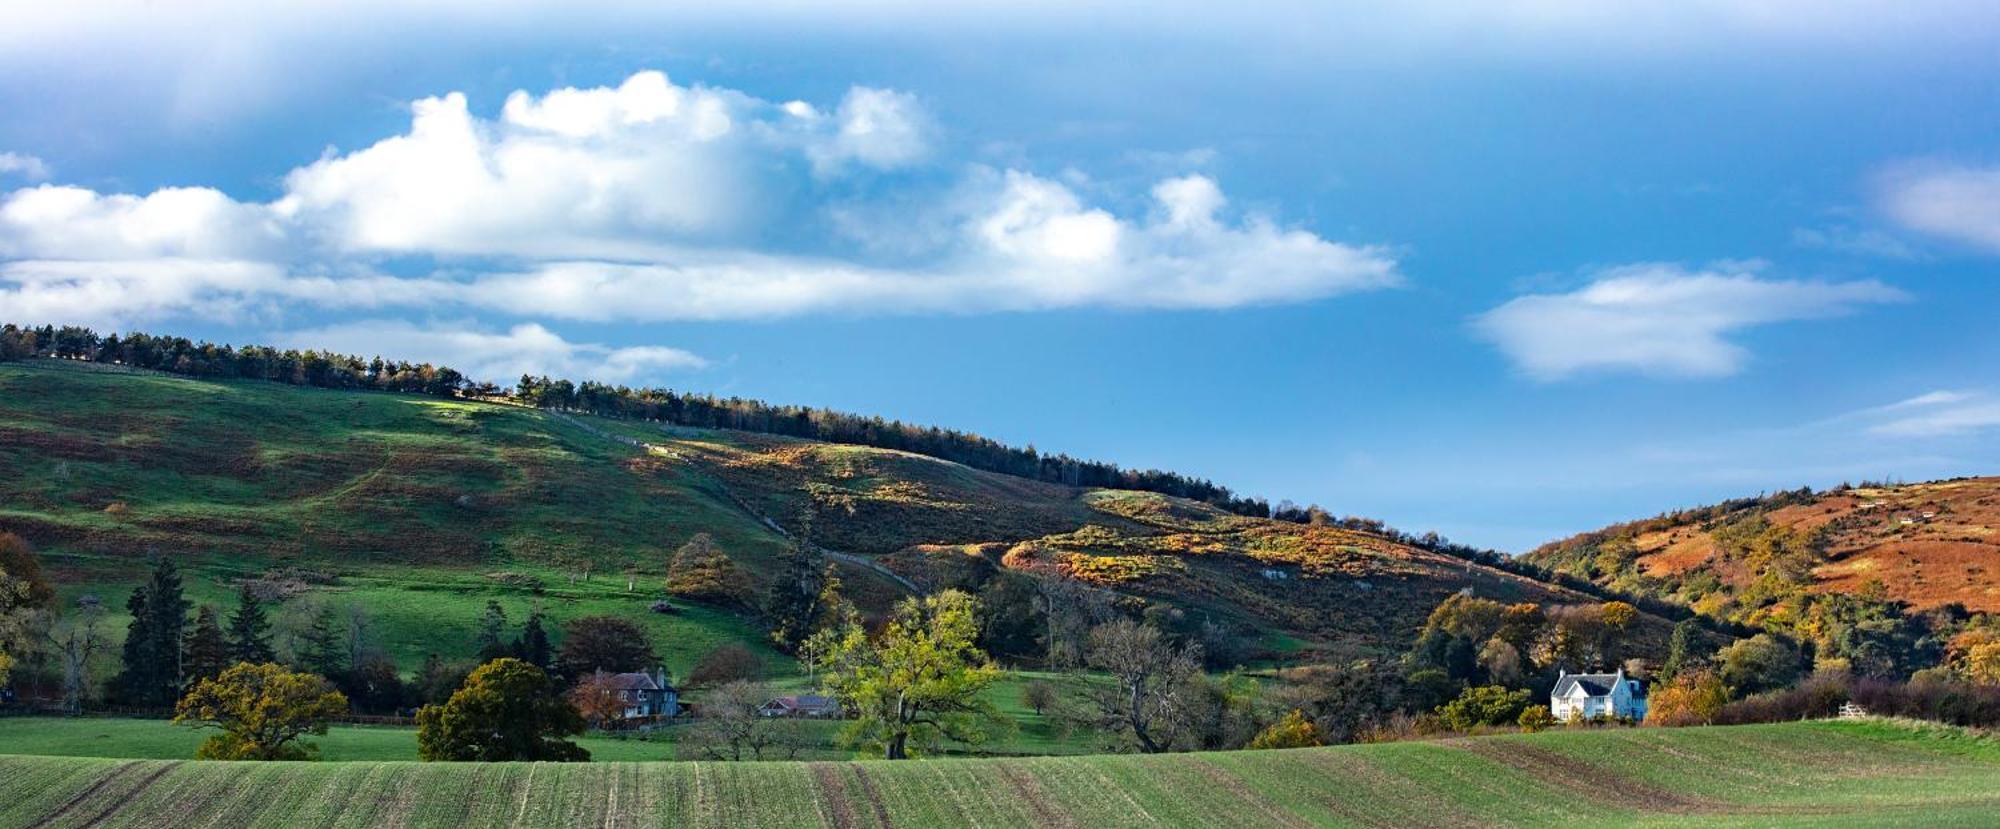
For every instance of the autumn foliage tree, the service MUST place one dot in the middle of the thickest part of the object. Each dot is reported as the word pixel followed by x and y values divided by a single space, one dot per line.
pixel 1693 698
pixel 700 571
pixel 507 710
pixel 1291 731
pixel 598 699
pixel 262 710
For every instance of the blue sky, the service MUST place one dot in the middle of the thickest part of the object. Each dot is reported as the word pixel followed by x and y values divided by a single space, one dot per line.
pixel 1505 270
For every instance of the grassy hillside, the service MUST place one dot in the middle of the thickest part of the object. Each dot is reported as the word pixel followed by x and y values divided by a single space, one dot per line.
pixel 1926 544
pixel 1798 774
pixel 419 510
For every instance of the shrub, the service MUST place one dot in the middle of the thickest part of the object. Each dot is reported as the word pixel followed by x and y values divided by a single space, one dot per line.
pixel 1536 718
pixel 1484 705
pixel 1292 731
pixel 729 663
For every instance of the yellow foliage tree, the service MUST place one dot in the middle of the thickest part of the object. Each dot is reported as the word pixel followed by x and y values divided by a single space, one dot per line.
pixel 1694 698
pixel 1293 731
pixel 1975 655
pixel 262 711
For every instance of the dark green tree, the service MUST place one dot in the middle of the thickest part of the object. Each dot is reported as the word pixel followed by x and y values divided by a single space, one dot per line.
pixel 492 639
pixel 250 630
pixel 603 643
pixel 323 645
pixel 534 643
pixel 152 670
pixel 204 653
pixel 793 604
pixel 507 710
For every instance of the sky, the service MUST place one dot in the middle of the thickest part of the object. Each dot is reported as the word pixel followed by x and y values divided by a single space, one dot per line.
pixel 1503 270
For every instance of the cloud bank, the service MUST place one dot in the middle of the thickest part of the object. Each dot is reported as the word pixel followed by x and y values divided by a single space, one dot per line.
pixel 654 201
pixel 1661 319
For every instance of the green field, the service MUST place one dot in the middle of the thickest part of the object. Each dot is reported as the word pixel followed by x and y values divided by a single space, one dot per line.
pixel 154 739
pixel 1800 774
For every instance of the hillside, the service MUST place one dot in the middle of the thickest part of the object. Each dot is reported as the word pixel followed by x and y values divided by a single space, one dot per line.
pixel 419 509
pixel 1833 774
pixel 1927 544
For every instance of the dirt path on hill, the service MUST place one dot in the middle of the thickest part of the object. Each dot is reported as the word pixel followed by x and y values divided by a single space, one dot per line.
pixel 737 501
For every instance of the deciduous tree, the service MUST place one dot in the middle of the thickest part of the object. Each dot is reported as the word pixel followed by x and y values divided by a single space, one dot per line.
pixel 1152 686
pixel 1484 705
pixel 726 664
pixel 603 643
pixel 507 710
pixel 923 678
pixel 1694 697
pixel 262 710
pixel 598 699
pixel 732 728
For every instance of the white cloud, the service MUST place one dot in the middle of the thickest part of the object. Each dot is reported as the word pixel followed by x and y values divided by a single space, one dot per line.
pixel 25 166
pixel 648 201
pixel 1660 319
pixel 1935 414
pixel 879 128
pixel 177 222
pixel 1954 202
pixel 500 357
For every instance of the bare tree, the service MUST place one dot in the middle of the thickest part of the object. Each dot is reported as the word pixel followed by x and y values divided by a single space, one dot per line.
pixel 74 640
pixel 357 634
pixel 732 728
pixel 1071 609
pixel 1155 693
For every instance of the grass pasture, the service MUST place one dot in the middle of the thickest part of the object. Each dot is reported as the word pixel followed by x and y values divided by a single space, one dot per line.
pixel 1798 774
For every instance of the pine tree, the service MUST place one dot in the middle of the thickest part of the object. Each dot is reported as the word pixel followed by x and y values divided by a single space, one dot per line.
pixel 152 674
pixel 534 643
pixel 324 650
pixel 250 631
pixel 492 628
pixel 205 653
pixel 134 679
pixel 792 607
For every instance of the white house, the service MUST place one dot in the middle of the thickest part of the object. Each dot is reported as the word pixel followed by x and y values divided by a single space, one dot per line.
pixel 1589 696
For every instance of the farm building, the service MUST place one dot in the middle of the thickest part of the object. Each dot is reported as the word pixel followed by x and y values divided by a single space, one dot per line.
pixel 647 695
pixel 811 706
pixel 1589 696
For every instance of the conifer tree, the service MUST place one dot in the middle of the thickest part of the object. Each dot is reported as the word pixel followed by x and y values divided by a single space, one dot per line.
pixel 793 606
pixel 492 629
pixel 324 649
pixel 204 653
pixel 534 643
pixel 250 631
pixel 152 672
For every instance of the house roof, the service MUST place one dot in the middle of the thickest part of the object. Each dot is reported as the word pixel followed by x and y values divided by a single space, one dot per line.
pixel 1596 685
pixel 636 682
pixel 802 701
